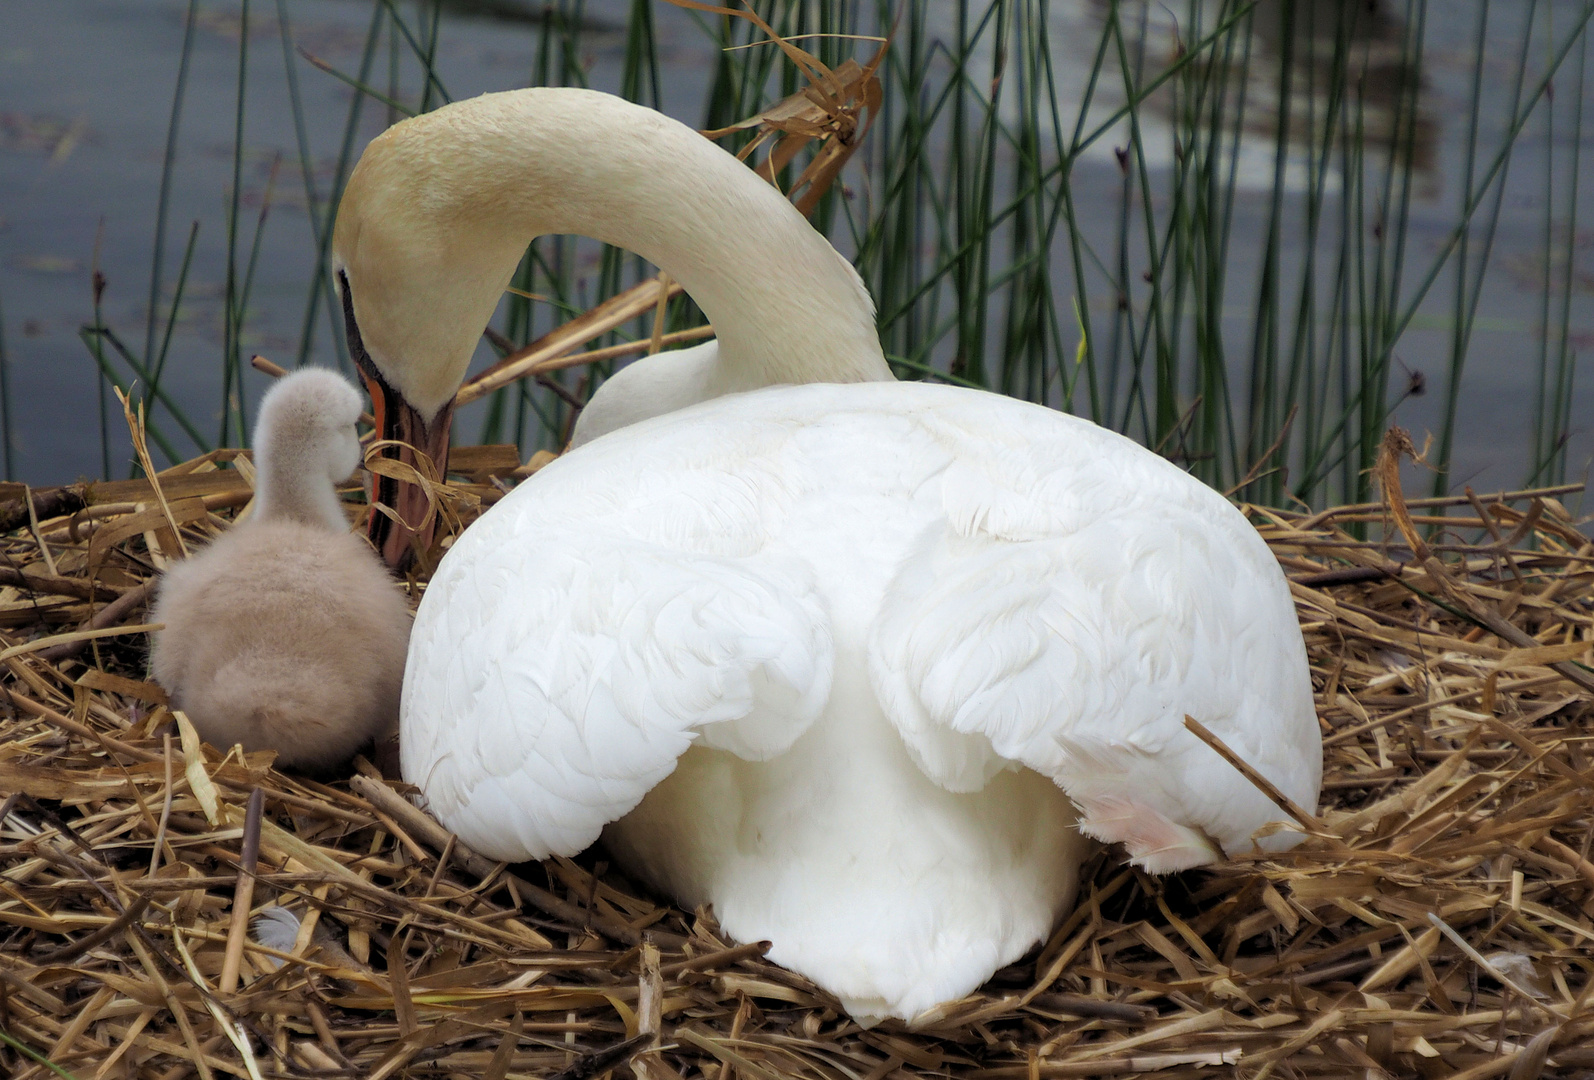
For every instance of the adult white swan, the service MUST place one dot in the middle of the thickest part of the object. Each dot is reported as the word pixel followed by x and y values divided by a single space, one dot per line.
pixel 841 660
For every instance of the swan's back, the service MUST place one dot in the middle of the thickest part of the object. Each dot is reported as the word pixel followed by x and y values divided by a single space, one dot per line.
pixel 856 612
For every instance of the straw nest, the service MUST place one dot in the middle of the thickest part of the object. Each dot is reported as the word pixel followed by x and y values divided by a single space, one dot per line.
pixel 1437 923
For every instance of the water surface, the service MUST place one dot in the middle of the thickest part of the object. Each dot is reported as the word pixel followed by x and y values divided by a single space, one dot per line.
pixel 86 90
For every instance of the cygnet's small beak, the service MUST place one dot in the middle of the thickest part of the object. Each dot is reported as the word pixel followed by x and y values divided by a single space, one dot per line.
pixel 408 436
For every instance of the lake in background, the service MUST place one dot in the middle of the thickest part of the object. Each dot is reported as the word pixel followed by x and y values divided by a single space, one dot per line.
pixel 86 91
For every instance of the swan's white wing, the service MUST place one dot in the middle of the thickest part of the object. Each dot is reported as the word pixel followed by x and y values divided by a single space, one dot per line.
pixel 1030 590
pixel 1077 599
pixel 557 671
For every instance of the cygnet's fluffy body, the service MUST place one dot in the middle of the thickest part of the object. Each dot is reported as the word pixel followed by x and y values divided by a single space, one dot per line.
pixel 287 633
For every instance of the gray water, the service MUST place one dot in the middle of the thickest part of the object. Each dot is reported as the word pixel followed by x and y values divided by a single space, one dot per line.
pixel 86 91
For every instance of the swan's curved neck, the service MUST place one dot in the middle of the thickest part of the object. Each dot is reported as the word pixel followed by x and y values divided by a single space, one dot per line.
pixel 441 208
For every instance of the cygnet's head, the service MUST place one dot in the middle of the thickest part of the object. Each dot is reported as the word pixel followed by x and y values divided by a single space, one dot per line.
pixel 305 445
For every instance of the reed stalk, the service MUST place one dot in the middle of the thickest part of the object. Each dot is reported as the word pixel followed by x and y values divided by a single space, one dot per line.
pixel 1237 293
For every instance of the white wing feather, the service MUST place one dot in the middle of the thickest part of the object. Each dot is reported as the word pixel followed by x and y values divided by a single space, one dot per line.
pixel 1077 600
pixel 570 667
pixel 1031 590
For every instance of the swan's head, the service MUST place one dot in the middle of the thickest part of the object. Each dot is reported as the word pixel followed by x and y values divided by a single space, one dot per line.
pixel 429 231
pixel 441 207
pixel 421 254
pixel 306 444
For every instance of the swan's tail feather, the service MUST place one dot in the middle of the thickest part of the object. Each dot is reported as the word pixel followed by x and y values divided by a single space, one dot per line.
pixel 1154 842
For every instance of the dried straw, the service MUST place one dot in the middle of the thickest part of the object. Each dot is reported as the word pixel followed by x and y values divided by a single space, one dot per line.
pixel 1436 922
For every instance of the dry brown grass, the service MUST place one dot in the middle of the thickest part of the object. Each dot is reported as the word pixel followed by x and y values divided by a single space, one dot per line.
pixel 1438 924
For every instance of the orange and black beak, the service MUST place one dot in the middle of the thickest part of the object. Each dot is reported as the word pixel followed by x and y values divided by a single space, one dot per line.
pixel 408 436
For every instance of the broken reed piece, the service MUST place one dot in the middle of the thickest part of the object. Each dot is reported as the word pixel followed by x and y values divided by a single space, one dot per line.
pixel 243 896
pixel 1306 819
pixel 22 503
pixel 1094 1008
pixel 39 645
pixel 567 336
pixel 67 953
pixel 398 979
pixel 837 106
pixel 723 958
pixel 425 828
pixel 1348 575
pixel 649 1014
pixel 601 1061
pixel 1482 961
pixel 135 429
pixel 166 809
pixel 625 348
pixel 105 618
pixel 660 311
pixel 51 585
pixel 498 1067
pixel 1396 445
